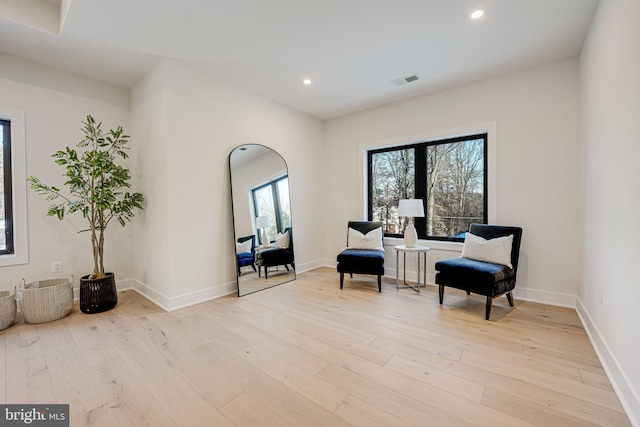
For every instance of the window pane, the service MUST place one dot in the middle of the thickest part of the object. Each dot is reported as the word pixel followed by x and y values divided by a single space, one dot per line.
pixel 3 243
pixel 266 207
pixel 285 206
pixel 392 179
pixel 455 187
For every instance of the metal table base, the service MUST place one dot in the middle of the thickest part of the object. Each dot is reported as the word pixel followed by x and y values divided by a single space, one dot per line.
pixel 419 250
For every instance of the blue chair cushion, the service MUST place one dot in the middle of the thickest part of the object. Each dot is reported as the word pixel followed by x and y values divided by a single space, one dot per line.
pixel 245 258
pixel 464 270
pixel 363 261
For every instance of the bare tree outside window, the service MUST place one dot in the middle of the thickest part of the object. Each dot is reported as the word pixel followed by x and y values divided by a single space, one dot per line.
pixel 455 183
pixel 265 206
pixel 272 200
pixel 450 175
pixel 393 179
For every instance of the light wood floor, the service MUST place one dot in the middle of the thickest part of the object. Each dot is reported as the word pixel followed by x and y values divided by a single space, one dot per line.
pixel 250 281
pixel 309 354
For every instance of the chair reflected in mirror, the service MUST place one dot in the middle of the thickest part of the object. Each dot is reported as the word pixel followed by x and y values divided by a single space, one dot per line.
pixel 245 252
pixel 280 255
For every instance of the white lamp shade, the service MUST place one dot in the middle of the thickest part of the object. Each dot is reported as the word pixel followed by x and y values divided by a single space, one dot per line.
pixel 263 222
pixel 411 207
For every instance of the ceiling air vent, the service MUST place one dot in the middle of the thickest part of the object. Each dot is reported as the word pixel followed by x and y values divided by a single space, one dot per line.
pixel 404 80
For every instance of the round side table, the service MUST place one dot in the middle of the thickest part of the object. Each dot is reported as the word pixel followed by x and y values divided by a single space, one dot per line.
pixel 419 250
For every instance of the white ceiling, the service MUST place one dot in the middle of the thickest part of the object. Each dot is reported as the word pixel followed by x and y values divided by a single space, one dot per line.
pixel 351 49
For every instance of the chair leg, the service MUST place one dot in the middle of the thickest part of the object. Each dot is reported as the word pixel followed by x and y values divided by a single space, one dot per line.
pixel 285 266
pixel 254 267
pixel 351 275
pixel 441 293
pixel 489 304
pixel 341 279
pixel 510 298
pixel 468 292
pixel 266 272
pixel 379 283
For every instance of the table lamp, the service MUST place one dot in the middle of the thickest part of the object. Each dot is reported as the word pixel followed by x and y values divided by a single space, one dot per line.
pixel 411 208
pixel 264 222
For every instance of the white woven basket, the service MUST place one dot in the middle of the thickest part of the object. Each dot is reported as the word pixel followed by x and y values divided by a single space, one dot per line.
pixel 46 300
pixel 7 309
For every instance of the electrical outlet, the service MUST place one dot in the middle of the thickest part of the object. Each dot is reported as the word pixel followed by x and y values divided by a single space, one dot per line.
pixel 56 267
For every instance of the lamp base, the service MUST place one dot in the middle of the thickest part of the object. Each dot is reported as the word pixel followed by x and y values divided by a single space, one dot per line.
pixel 265 238
pixel 410 237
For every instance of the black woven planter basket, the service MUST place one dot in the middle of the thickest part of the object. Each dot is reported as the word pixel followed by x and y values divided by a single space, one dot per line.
pixel 98 295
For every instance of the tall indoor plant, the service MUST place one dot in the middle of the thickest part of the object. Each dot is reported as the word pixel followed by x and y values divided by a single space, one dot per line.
pixel 95 184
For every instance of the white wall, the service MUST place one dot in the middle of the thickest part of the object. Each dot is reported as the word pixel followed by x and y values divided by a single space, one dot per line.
pixel 55 103
pixel 536 112
pixel 203 120
pixel 149 128
pixel 610 87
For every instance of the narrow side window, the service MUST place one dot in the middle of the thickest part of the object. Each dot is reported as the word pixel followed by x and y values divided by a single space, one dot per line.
pixel 6 186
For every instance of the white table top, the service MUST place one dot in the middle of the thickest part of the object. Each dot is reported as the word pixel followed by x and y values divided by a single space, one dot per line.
pixel 404 248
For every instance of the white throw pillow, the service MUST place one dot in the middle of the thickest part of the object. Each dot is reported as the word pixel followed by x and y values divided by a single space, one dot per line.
pixel 496 251
pixel 243 247
pixel 372 240
pixel 282 240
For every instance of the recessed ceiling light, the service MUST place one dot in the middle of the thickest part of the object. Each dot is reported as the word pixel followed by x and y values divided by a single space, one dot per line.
pixel 306 82
pixel 477 14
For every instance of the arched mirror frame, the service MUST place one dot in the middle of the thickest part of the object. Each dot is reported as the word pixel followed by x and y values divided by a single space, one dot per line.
pixel 252 167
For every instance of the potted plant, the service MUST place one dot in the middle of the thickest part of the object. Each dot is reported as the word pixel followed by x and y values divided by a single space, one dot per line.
pixel 95 185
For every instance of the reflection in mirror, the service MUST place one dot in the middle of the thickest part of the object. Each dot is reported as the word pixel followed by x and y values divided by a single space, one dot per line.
pixel 261 218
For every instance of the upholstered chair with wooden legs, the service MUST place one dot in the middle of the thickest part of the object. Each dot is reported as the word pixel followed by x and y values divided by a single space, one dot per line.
pixel 480 277
pixel 364 258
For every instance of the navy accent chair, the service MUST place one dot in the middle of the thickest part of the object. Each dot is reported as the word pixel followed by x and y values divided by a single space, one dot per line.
pixel 361 261
pixel 277 256
pixel 484 278
pixel 246 258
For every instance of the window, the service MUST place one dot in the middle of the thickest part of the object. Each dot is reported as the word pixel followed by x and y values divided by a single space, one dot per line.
pixel 6 208
pixel 13 189
pixel 272 200
pixel 450 175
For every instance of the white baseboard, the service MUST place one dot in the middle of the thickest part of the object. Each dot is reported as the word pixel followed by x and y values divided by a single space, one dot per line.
pixel 626 392
pixel 126 284
pixel 184 300
pixel 121 285
pixel 545 297
pixel 307 266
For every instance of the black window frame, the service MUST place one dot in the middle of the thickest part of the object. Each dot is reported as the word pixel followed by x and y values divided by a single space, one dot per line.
pixel 276 200
pixel 7 194
pixel 420 170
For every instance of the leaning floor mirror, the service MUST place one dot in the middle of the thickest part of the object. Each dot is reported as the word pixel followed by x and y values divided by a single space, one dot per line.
pixel 263 235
